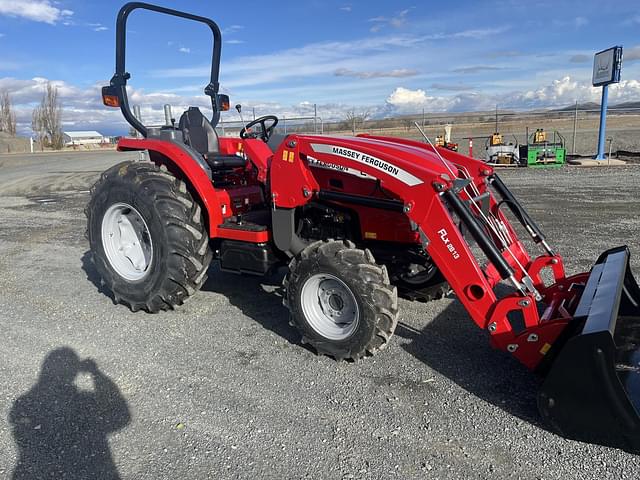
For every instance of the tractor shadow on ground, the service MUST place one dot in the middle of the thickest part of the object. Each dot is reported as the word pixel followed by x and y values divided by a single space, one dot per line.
pixel 454 346
pixel 259 298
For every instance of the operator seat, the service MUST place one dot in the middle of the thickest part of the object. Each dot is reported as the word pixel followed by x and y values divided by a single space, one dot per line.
pixel 275 140
pixel 200 135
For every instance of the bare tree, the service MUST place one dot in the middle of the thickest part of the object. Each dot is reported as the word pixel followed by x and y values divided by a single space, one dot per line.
pixel 354 119
pixel 46 119
pixel 38 127
pixel 7 116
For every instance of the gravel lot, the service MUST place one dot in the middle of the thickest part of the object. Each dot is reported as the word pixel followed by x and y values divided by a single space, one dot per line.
pixel 222 387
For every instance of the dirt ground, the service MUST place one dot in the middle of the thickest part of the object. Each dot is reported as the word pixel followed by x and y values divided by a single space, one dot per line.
pixel 223 388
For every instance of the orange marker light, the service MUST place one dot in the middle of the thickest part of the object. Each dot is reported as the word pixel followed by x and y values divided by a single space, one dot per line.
pixel 111 101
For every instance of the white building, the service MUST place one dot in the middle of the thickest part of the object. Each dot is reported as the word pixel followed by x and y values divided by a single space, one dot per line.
pixel 84 138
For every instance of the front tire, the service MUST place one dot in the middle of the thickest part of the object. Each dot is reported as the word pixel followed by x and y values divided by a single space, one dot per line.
pixel 147 237
pixel 341 300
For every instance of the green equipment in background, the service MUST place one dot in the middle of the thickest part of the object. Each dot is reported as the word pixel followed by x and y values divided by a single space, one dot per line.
pixel 540 152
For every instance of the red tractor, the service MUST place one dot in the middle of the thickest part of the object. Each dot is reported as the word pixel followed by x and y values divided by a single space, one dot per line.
pixel 357 221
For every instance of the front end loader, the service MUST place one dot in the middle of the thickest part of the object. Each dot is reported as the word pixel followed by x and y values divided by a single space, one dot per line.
pixel 358 221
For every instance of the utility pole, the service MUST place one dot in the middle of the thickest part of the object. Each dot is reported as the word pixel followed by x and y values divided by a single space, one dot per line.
pixel 575 128
pixel 496 130
pixel 354 122
pixel 315 118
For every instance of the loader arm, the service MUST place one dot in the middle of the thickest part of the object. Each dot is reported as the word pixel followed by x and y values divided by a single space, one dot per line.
pixel 581 331
pixel 433 189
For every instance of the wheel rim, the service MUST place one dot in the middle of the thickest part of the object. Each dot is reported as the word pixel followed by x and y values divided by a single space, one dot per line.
pixel 127 242
pixel 329 306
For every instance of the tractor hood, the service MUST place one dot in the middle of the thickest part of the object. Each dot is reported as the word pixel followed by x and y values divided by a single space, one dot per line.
pixel 410 164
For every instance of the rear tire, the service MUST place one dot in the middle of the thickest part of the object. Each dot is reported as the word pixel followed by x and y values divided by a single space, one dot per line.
pixel 341 300
pixel 419 279
pixel 147 237
pixel 434 288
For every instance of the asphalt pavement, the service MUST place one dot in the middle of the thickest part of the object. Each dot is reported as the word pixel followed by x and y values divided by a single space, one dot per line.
pixel 223 388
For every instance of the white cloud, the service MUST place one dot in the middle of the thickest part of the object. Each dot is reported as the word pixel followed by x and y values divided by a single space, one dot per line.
pixel 480 32
pixel 631 54
pixel 453 87
pixel 83 109
pixel 346 8
pixel 399 20
pixel 327 57
pixel 505 54
pixel 559 93
pixel 184 50
pixel 232 29
pixel 36 10
pixel 398 73
pixel 566 90
pixel 474 34
pixel 580 58
pixel 234 42
pixel 476 69
pixel 403 98
pixel 100 29
pixel 576 22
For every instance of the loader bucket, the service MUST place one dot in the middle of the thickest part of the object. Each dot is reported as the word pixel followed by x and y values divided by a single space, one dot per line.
pixel 592 390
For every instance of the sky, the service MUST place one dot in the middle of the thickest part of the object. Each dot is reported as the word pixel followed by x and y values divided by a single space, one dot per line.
pixel 381 57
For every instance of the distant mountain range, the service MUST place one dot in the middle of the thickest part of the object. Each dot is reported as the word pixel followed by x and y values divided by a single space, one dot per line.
pixel 596 106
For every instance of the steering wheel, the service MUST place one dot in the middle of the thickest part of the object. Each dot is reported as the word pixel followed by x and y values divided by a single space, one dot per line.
pixel 266 131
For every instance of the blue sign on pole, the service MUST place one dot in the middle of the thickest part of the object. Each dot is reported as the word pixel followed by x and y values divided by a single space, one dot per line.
pixel 607 65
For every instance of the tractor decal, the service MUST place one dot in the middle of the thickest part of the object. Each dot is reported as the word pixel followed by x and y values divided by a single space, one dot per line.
pixel 402 175
pixel 313 162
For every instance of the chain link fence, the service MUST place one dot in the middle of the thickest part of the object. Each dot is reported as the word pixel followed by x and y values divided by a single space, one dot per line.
pixel 578 129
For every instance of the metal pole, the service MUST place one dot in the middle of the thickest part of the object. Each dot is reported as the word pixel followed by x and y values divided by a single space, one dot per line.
pixel 496 131
pixel 575 128
pixel 423 118
pixel 167 115
pixel 254 113
pixel 284 121
pixel 354 123
pixel 603 122
pixel 31 143
pixel 315 118
pixel 610 148
pixel 138 115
